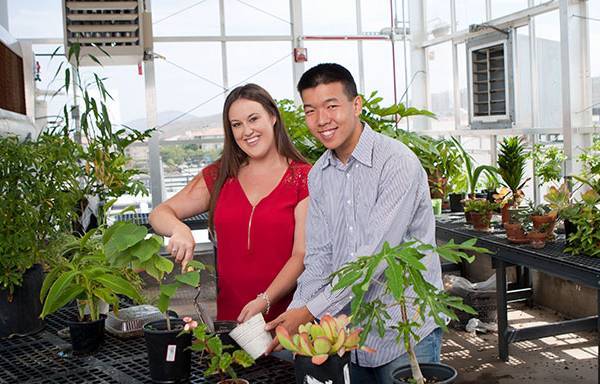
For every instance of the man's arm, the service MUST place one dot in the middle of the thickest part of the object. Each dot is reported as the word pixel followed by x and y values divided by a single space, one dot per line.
pixel 402 183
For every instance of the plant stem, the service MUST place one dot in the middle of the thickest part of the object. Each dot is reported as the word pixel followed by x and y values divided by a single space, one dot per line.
pixel 168 321
pixel 414 364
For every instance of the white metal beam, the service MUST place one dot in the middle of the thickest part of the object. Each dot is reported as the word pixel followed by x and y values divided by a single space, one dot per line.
pixel 516 19
pixel 573 80
pixel 154 160
pixel 297 42
pixel 418 63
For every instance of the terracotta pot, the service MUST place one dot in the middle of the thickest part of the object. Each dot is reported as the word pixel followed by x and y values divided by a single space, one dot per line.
pixel 506 213
pixel 539 221
pixel 537 239
pixel 481 222
pixel 515 233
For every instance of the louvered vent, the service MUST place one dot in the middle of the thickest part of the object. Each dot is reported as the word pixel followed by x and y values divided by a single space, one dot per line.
pixel 115 26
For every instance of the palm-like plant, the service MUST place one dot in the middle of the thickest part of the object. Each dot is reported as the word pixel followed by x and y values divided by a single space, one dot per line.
pixel 472 173
pixel 511 164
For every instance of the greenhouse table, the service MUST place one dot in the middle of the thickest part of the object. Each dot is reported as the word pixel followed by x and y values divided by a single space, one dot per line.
pixel 195 222
pixel 551 260
pixel 44 358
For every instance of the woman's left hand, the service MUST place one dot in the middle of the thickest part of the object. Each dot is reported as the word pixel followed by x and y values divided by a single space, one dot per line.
pixel 257 305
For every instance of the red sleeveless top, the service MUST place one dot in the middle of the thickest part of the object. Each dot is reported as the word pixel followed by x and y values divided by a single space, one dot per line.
pixel 254 243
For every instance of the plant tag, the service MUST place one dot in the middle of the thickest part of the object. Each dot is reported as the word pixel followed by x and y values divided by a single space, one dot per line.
pixel 171 349
pixel 346 375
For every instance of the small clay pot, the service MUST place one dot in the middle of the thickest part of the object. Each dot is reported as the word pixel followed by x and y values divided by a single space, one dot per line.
pixel 481 222
pixel 539 220
pixel 537 239
pixel 515 233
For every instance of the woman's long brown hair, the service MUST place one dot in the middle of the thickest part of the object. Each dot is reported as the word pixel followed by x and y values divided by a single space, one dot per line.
pixel 233 157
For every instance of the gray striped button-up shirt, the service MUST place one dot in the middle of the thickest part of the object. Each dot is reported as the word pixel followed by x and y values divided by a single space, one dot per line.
pixel 381 194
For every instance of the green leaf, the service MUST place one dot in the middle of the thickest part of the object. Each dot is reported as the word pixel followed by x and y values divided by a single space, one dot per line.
pixel 163 303
pixel 120 285
pixel 395 277
pixel 163 264
pixel 146 248
pixel 242 358
pixel 126 236
pixel 190 278
pixel 48 281
pixel 61 293
pixel 197 265
pixel 215 345
pixel 169 289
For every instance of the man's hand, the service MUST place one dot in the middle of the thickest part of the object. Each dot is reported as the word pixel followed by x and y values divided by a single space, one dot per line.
pixel 290 319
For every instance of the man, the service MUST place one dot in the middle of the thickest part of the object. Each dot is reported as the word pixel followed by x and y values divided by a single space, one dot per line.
pixel 364 190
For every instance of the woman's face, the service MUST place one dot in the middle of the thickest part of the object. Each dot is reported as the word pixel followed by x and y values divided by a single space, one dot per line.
pixel 252 127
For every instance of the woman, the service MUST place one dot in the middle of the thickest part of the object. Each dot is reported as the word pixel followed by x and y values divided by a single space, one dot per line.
pixel 257 197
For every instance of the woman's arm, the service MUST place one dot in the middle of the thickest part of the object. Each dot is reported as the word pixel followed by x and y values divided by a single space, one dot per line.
pixel 166 219
pixel 285 280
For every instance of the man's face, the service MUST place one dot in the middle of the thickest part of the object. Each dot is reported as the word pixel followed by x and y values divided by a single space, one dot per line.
pixel 333 118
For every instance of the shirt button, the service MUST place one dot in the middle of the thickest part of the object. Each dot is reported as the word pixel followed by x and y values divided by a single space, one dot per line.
pixel 350 228
pixel 352 254
pixel 349 202
pixel 356 166
pixel 347 175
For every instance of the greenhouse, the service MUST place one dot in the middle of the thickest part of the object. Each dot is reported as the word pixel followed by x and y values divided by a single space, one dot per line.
pixel 300 191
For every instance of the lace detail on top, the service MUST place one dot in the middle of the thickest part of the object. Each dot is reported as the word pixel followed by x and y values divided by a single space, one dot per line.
pixel 297 177
pixel 210 174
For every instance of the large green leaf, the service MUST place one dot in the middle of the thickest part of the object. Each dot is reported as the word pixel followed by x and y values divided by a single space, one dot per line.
pixel 48 281
pixel 119 285
pixel 163 264
pixel 126 236
pixel 60 293
pixel 190 278
pixel 395 278
pixel 168 289
pixel 145 249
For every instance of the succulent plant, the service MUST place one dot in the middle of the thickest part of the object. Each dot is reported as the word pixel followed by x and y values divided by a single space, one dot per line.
pixel 332 336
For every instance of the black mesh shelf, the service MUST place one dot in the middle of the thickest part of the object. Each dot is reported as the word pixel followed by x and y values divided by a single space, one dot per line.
pixel 552 258
pixel 45 358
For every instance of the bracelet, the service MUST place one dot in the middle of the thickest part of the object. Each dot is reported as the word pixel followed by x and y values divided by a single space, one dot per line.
pixel 265 297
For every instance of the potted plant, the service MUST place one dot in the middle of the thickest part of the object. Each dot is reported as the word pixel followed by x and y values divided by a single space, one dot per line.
pixel 542 216
pixel 38 190
pixel 547 162
pixel 403 273
pixel 480 212
pixel 169 356
pixel 322 350
pixel 517 227
pixel 472 173
pixel 220 362
pixel 512 160
pixel 585 215
pixel 538 237
pixel 96 268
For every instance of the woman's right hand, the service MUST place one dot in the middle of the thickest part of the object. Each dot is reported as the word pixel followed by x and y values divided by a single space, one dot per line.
pixel 181 245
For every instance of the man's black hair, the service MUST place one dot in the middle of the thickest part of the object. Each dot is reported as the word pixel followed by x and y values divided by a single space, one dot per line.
pixel 328 73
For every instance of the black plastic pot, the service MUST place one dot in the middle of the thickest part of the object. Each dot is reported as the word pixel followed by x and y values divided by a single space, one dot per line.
pixel 333 370
pixel 169 356
pixel 86 336
pixel 455 202
pixel 222 329
pixel 20 313
pixel 432 372
pixel 570 228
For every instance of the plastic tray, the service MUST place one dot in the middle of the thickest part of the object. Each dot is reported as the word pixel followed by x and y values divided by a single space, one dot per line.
pixel 130 321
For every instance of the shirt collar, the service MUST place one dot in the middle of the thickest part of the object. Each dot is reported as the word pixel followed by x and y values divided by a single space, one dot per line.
pixel 363 152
